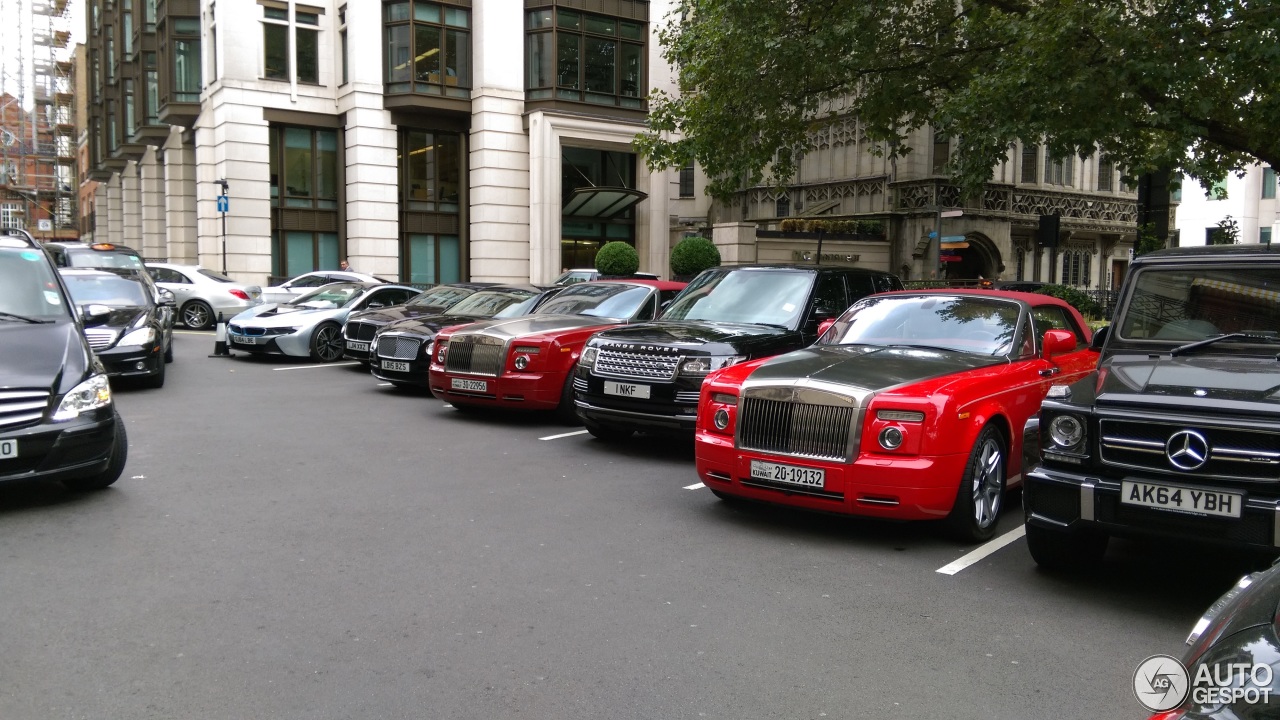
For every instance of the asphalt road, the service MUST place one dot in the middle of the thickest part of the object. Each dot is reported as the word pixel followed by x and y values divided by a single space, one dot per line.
pixel 296 541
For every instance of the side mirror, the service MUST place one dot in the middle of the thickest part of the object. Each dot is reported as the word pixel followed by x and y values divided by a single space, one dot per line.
pixel 1100 338
pixel 167 297
pixel 1058 342
pixel 825 325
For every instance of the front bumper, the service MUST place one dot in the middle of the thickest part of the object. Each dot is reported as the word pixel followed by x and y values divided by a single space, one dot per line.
pixel 57 451
pixel 123 361
pixel 295 344
pixel 1069 501
pixel 529 391
pixel 417 375
pixel 671 405
pixel 361 350
pixel 921 487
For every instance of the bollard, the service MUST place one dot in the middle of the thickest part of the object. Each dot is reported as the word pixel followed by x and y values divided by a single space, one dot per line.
pixel 220 348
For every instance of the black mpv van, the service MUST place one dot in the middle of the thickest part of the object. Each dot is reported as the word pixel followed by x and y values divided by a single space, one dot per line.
pixel 57 417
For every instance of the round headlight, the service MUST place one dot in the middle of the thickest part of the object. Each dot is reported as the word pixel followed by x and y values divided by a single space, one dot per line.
pixel 721 419
pixel 891 438
pixel 522 362
pixel 441 350
pixel 1066 431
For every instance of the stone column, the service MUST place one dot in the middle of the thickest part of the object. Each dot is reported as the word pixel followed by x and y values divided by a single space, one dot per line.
pixel 180 198
pixel 115 211
pixel 372 187
pixel 131 208
pixel 101 213
pixel 151 191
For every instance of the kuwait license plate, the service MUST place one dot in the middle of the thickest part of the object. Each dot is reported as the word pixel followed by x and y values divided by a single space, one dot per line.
pixel 809 477
pixel 469 385
pixel 244 340
pixel 626 390
pixel 1185 499
pixel 396 366
pixel 8 449
pixel 358 346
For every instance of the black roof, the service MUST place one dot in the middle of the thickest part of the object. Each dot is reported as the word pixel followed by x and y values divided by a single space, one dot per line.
pixel 1210 253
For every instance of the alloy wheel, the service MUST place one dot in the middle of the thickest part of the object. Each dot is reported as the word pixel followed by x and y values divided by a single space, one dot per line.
pixel 988 483
pixel 328 343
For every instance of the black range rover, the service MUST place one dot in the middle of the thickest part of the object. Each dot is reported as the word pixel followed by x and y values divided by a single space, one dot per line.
pixel 648 376
pixel 1177 432
pixel 57 417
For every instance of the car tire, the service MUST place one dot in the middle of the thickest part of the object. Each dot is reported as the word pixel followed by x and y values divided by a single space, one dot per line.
pixel 156 381
pixel 1060 550
pixel 115 467
pixel 607 433
pixel 566 411
pixel 326 343
pixel 197 315
pixel 980 497
pixel 168 351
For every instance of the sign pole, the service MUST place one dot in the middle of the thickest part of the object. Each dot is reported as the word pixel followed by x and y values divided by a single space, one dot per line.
pixel 224 204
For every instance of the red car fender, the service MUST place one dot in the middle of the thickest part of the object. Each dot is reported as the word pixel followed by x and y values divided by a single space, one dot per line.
pixel 983 414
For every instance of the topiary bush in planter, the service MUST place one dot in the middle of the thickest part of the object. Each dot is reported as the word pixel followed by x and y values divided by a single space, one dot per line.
pixel 693 255
pixel 617 258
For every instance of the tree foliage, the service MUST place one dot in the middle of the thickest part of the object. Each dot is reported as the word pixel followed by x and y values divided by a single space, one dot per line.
pixel 617 258
pixel 1075 297
pixel 1142 82
pixel 1227 233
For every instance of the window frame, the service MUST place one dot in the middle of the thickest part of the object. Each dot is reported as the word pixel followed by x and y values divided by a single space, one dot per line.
pixel 560 24
pixel 454 39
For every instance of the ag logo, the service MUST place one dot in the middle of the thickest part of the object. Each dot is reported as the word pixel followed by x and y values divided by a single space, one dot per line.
pixel 1161 683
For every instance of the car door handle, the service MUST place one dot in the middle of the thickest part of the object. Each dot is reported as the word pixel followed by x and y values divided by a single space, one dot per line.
pixel 1050 372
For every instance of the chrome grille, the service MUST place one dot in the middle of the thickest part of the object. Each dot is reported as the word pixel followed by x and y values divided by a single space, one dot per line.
pixel 1234 453
pixel 687 396
pixel 636 365
pixel 22 407
pixel 795 428
pixel 100 338
pixel 476 354
pixel 579 384
pixel 398 347
pixel 360 331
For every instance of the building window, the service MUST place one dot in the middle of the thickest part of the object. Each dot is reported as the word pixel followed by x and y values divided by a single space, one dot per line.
pixel 1030 162
pixel 149 16
pixel 186 60
pixel 1057 171
pixel 1075 267
pixel 428 49
pixel 1268 183
pixel 686 181
pixel 308 161
pixel 126 29
pixel 1106 171
pixel 433 259
pixel 580 57
pixel 302 252
pixel 275 43
pixel 130 124
pixel 113 127
pixel 1218 191
pixel 152 82
pixel 342 43
pixel 111 56
pixel 1020 258
pixel 941 153
pixel 1264 236
pixel 782 206
pixel 431 164
pixel 11 215
pixel 307 38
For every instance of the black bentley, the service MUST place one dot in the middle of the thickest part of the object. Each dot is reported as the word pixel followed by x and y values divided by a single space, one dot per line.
pixel 401 350
pixel 358 331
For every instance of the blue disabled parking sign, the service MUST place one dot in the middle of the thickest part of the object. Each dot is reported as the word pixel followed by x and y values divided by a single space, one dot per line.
pixel 224 203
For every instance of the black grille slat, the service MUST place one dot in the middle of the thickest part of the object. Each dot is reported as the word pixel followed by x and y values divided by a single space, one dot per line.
pixel 361 331
pixel 794 428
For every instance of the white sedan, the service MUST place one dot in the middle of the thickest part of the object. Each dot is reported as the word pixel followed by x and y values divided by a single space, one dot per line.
pixel 306 282
pixel 202 294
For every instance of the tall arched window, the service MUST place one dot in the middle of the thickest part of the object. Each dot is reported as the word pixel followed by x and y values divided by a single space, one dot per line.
pixel 1076 267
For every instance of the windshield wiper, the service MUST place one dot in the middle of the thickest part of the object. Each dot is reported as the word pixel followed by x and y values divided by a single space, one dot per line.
pixel 22 318
pixel 927 347
pixel 1268 336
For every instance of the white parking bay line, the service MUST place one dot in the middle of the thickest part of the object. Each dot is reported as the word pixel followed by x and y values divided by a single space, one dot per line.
pixel 694 486
pixel 568 434
pixel 313 367
pixel 384 384
pixel 973 557
pixel 203 333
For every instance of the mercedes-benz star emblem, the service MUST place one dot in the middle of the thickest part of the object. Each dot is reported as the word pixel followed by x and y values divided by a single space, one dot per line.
pixel 1187 450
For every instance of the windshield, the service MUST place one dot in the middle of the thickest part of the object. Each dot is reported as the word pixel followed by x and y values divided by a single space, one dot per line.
pixel 27 285
pixel 340 294
pixel 104 259
pixel 961 323
pixel 765 297
pixel 607 299
pixel 1186 304
pixel 488 303
pixel 443 296
pixel 106 289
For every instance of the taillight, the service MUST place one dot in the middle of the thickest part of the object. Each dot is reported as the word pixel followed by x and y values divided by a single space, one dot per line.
pixel 1168 715
pixel 240 294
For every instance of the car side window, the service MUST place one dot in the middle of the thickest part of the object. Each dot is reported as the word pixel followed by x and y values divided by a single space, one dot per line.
pixel 168 275
pixel 860 286
pixel 1052 317
pixel 310 281
pixel 649 310
pixel 1030 345
pixel 885 283
pixel 830 294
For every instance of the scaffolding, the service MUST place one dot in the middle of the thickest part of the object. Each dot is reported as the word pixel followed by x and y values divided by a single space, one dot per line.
pixel 38 143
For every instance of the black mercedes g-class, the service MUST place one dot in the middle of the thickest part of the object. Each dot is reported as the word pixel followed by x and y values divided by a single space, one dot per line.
pixel 648 376
pixel 57 417
pixel 1177 431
